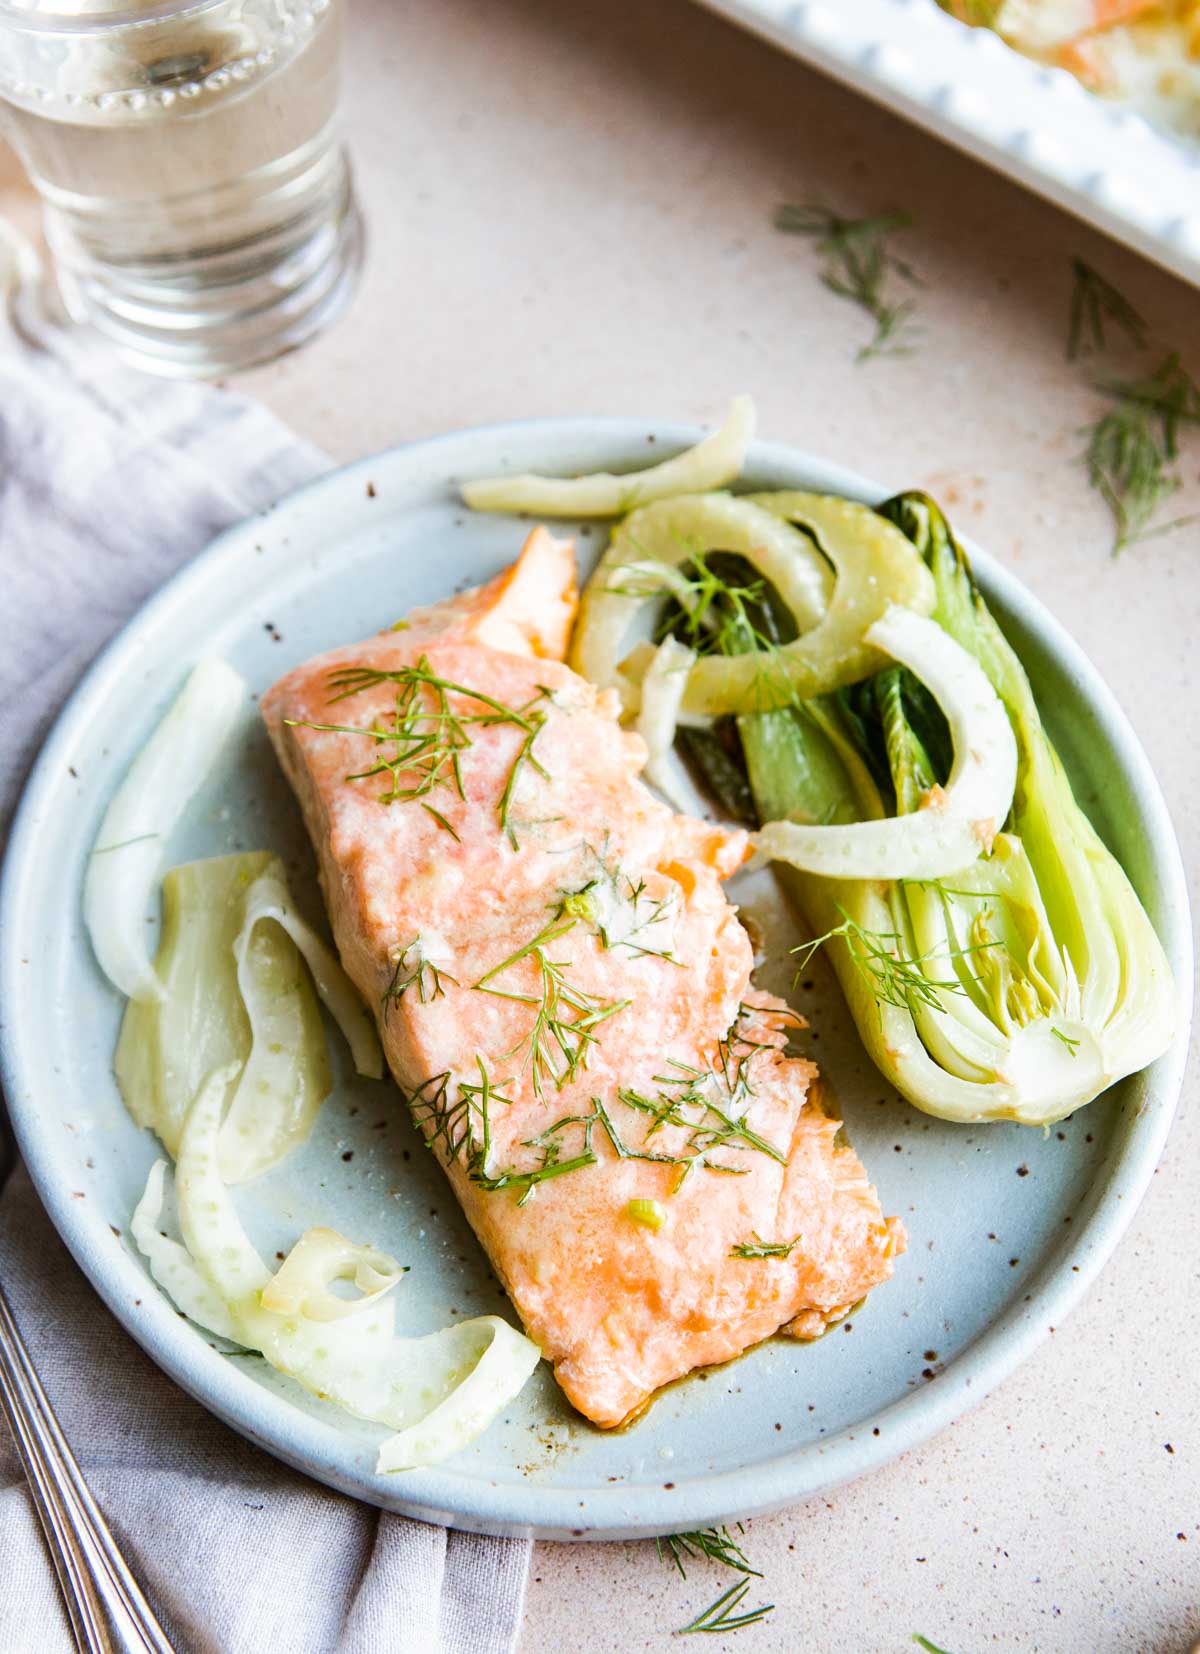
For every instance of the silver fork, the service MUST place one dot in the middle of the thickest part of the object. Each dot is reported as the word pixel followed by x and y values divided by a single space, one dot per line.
pixel 108 1613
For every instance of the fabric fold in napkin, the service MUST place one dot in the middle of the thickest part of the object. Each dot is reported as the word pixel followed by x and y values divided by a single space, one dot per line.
pixel 109 482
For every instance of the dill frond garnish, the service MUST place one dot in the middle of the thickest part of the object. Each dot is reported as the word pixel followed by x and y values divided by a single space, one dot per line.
pixel 924 1642
pixel 459 1118
pixel 1127 466
pixel 756 1248
pixel 857 266
pixel 1072 1045
pixel 656 912
pixel 429 734
pixel 735 1052
pixel 709 1127
pixel 723 1615
pixel 712 615
pixel 565 1016
pixel 419 973
pixel 456 1116
pixel 1130 448
pixel 894 977
pixel 1095 301
pixel 1170 393
pixel 717 614
pixel 444 1117
pixel 717 1544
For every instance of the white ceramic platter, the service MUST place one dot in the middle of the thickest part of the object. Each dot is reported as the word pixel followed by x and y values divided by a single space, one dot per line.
pixel 1006 1226
pixel 1040 126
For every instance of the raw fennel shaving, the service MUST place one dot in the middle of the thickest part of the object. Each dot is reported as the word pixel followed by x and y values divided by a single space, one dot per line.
pixel 158 787
pixel 874 568
pixel 954 825
pixel 235 990
pixel 710 464
pixel 437 1393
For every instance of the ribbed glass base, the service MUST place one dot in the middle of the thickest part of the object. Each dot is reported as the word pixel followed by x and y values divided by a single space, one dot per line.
pixel 224 304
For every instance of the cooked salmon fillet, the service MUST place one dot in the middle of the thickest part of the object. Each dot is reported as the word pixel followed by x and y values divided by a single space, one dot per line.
pixel 564 995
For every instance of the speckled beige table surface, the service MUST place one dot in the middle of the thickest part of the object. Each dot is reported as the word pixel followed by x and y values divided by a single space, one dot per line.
pixel 570 212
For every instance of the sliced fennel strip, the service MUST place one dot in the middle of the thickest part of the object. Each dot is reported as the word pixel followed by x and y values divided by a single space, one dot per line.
pixel 712 463
pixel 874 566
pixel 959 821
pixel 437 1393
pixel 238 991
pixel 157 788
pixel 270 898
pixel 662 696
pixel 301 1284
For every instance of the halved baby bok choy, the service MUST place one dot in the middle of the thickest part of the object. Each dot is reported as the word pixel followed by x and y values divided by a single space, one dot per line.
pixel 1017 988
pixel 436 1393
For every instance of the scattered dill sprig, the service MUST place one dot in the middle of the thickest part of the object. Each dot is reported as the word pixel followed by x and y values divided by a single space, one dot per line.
pixel 1130 447
pixel 710 614
pixel 1095 301
pixel 1072 1045
pixel 893 978
pixel 718 1544
pixel 429 735
pixel 421 974
pixel 1171 395
pixel 857 266
pixel 1127 467
pixel 565 1016
pixel 722 1615
pixel 735 1052
pixel 924 1642
pixel 757 1248
pixel 444 1118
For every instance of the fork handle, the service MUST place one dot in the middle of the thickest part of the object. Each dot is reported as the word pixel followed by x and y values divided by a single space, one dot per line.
pixel 105 1604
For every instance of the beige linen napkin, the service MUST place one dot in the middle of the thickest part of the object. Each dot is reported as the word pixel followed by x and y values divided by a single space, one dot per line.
pixel 109 481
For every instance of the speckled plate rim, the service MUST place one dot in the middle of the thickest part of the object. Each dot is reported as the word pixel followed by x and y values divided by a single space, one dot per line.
pixel 440 1494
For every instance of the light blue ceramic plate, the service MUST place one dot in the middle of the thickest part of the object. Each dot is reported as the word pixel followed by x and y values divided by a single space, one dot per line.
pixel 1006 1226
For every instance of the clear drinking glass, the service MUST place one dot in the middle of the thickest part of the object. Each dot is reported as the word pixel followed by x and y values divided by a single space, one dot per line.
pixel 197 201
